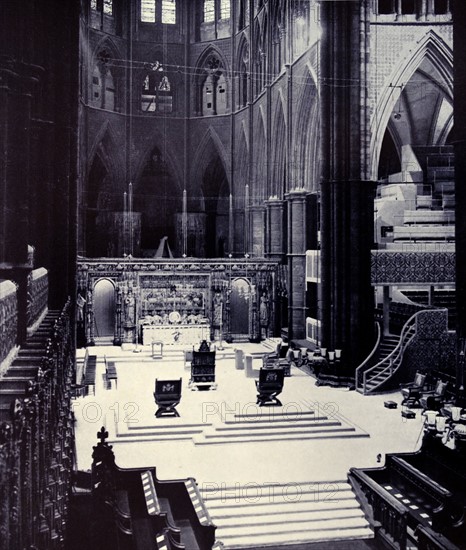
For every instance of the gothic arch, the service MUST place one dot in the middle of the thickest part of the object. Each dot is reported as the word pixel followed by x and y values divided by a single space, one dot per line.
pixel 278 173
pixel 209 146
pixel 103 59
pixel 242 156
pixel 202 73
pixel 441 56
pixel 160 142
pixel 243 71
pixel 305 164
pixel 105 144
pixel 258 191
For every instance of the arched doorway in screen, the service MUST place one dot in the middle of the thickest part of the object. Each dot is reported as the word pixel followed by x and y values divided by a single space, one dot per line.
pixel 240 304
pixel 104 309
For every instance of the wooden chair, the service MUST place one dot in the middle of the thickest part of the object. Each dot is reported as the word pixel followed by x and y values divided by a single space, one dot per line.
pixel 433 400
pixel 167 396
pixel 412 392
pixel 203 368
pixel 269 385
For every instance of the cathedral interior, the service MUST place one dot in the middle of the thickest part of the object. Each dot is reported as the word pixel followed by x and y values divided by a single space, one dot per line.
pixel 232 310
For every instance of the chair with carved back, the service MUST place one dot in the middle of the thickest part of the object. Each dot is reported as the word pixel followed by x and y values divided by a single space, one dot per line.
pixel 203 368
pixel 269 386
pixel 412 392
pixel 167 396
pixel 433 400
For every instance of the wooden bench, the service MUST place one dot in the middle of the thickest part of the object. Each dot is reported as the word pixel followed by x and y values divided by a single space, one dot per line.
pixel 111 376
pixel 421 490
pixel 89 374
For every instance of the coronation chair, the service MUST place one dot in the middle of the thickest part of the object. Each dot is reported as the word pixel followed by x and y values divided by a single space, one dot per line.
pixel 167 395
pixel 412 392
pixel 269 385
pixel 203 368
pixel 433 400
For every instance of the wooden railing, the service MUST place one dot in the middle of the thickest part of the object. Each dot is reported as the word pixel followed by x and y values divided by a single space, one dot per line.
pixel 8 318
pixel 38 295
pixel 365 365
pixel 390 514
pixel 165 503
pixel 37 445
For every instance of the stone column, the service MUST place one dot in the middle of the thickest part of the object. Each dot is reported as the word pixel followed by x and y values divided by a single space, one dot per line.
pixel 346 199
pixel 459 71
pixel 296 264
pixel 257 224
pixel 275 235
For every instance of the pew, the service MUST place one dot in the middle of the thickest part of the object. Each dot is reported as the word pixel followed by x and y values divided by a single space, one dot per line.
pixel 167 396
pixel 111 376
pixel 146 513
pixel 269 386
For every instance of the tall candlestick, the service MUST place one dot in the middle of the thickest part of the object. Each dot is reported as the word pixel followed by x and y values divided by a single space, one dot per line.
pixel 230 226
pixel 246 217
pixel 125 220
pixel 130 204
pixel 184 223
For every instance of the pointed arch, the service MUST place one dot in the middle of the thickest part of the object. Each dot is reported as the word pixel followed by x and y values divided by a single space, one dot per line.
pixel 305 150
pixel 211 82
pixel 431 46
pixel 105 75
pixel 242 70
pixel 259 181
pixel 209 146
pixel 161 141
pixel 279 160
pixel 242 157
pixel 105 143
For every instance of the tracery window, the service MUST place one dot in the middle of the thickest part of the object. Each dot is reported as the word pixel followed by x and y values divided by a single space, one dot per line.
pixel 157 95
pixel 153 11
pixel 213 88
pixel 103 89
pixel 169 12
pixel 209 11
pixel 216 9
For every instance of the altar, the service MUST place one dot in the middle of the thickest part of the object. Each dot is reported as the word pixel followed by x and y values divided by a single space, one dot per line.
pixel 182 334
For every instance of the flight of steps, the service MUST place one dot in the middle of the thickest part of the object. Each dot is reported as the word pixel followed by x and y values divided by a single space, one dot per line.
pixel 279 424
pixel 312 421
pixel 260 515
pixel 386 346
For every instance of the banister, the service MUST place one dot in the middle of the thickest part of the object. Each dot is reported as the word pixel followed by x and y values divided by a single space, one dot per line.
pixel 394 359
pixel 369 357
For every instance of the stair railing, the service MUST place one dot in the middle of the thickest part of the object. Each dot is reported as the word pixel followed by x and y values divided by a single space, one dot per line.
pixel 393 360
pixel 359 380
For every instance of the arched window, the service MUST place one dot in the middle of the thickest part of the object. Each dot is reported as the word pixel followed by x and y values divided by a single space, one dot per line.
pixel 213 87
pixel 156 93
pixel 158 11
pixel 221 95
pixel 103 89
pixel 109 99
pixel 208 96
pixel 99 9
pixel 96 88
pixel 216 9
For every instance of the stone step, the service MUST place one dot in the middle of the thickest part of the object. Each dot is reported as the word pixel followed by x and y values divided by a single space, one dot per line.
pixel 290 537
pixel 297 533
pixel 340 433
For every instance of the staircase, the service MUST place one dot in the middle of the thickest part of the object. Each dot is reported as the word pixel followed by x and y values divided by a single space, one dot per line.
pixel 374 377
pixel 255 515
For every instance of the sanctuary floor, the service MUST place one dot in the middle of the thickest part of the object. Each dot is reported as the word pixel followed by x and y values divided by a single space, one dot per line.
pixel 223 439
pixel 294 459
